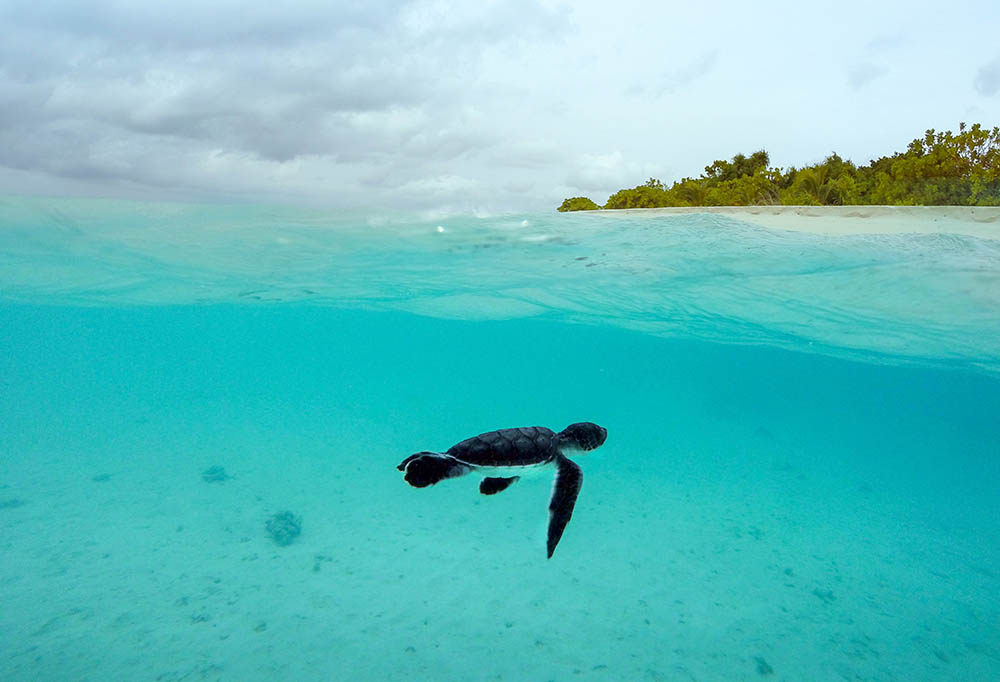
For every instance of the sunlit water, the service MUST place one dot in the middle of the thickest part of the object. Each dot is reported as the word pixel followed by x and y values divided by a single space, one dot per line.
pixel 800 480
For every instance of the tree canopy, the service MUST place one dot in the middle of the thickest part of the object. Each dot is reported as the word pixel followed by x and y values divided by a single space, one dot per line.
pixel 578 204
pixel 938 169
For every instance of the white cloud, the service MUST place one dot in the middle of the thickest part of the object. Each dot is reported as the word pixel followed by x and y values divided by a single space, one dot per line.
pixel 603 174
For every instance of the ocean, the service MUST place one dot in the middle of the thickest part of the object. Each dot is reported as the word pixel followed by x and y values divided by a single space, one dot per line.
pixel 800 479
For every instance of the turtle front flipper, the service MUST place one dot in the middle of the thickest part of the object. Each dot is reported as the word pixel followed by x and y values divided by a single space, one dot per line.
pixel 427 468
pixel 569 478
pixel 402 465
pixel 491 485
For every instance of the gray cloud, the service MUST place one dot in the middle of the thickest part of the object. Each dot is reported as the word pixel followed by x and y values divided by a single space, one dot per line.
pixel 886 42
pixel 987 79
pixel 693 71
pixel 864 73
pixel 678 76
pixel 144 94
pixel 186 24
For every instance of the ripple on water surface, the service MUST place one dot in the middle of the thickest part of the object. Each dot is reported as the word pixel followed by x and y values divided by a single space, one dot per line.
pixel 920 297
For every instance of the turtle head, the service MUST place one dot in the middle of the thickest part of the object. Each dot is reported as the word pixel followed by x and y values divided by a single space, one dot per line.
pixel 583 436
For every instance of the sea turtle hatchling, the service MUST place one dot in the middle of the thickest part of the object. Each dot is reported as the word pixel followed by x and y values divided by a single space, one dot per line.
pixel 501 455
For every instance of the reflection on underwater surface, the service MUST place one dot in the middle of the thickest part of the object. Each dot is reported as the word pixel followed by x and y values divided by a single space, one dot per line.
pixel 198 482
pixel 925 298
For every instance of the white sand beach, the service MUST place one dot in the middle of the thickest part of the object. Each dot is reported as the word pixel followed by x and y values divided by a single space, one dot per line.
pixel 975 221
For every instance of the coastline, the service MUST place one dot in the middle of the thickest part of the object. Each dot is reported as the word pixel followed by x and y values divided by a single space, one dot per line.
pixel 982 222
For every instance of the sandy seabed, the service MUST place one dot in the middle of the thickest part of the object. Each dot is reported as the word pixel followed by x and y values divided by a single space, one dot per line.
pixel 754 515
pixel 751 566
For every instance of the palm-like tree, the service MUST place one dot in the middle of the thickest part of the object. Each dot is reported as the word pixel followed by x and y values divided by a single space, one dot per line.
pixel 815 182
pixel 694 192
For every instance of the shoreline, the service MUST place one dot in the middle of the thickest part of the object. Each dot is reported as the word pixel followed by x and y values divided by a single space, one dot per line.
pixel 982 222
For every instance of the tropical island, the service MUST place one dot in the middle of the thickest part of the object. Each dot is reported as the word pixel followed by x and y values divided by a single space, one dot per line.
pixel 938 169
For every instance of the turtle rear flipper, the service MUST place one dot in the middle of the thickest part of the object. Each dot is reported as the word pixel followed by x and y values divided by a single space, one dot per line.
pixel 569 478
pixel 491 485
pixel 427 468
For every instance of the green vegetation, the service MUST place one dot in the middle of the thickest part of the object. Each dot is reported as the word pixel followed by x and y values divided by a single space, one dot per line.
pixel 578 204
pixel 939 169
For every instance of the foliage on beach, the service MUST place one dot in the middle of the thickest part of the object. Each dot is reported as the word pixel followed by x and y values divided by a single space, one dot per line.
pixel 938 169
pixel 578 204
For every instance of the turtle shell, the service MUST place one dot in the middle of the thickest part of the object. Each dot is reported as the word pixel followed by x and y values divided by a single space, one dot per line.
pixel 508 447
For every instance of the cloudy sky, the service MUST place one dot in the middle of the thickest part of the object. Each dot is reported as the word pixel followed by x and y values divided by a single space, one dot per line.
pixel 482 106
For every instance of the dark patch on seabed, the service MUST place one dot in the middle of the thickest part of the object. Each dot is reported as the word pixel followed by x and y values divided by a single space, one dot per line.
pixel 754 513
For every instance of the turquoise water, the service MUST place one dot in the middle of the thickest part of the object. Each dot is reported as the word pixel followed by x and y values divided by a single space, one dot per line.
pixel 800 479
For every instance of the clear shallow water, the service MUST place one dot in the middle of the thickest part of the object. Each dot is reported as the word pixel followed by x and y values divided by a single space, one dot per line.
pixel 814 501
pixel 929 298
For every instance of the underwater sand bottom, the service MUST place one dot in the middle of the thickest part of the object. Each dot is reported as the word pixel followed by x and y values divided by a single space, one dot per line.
pixel 738 566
